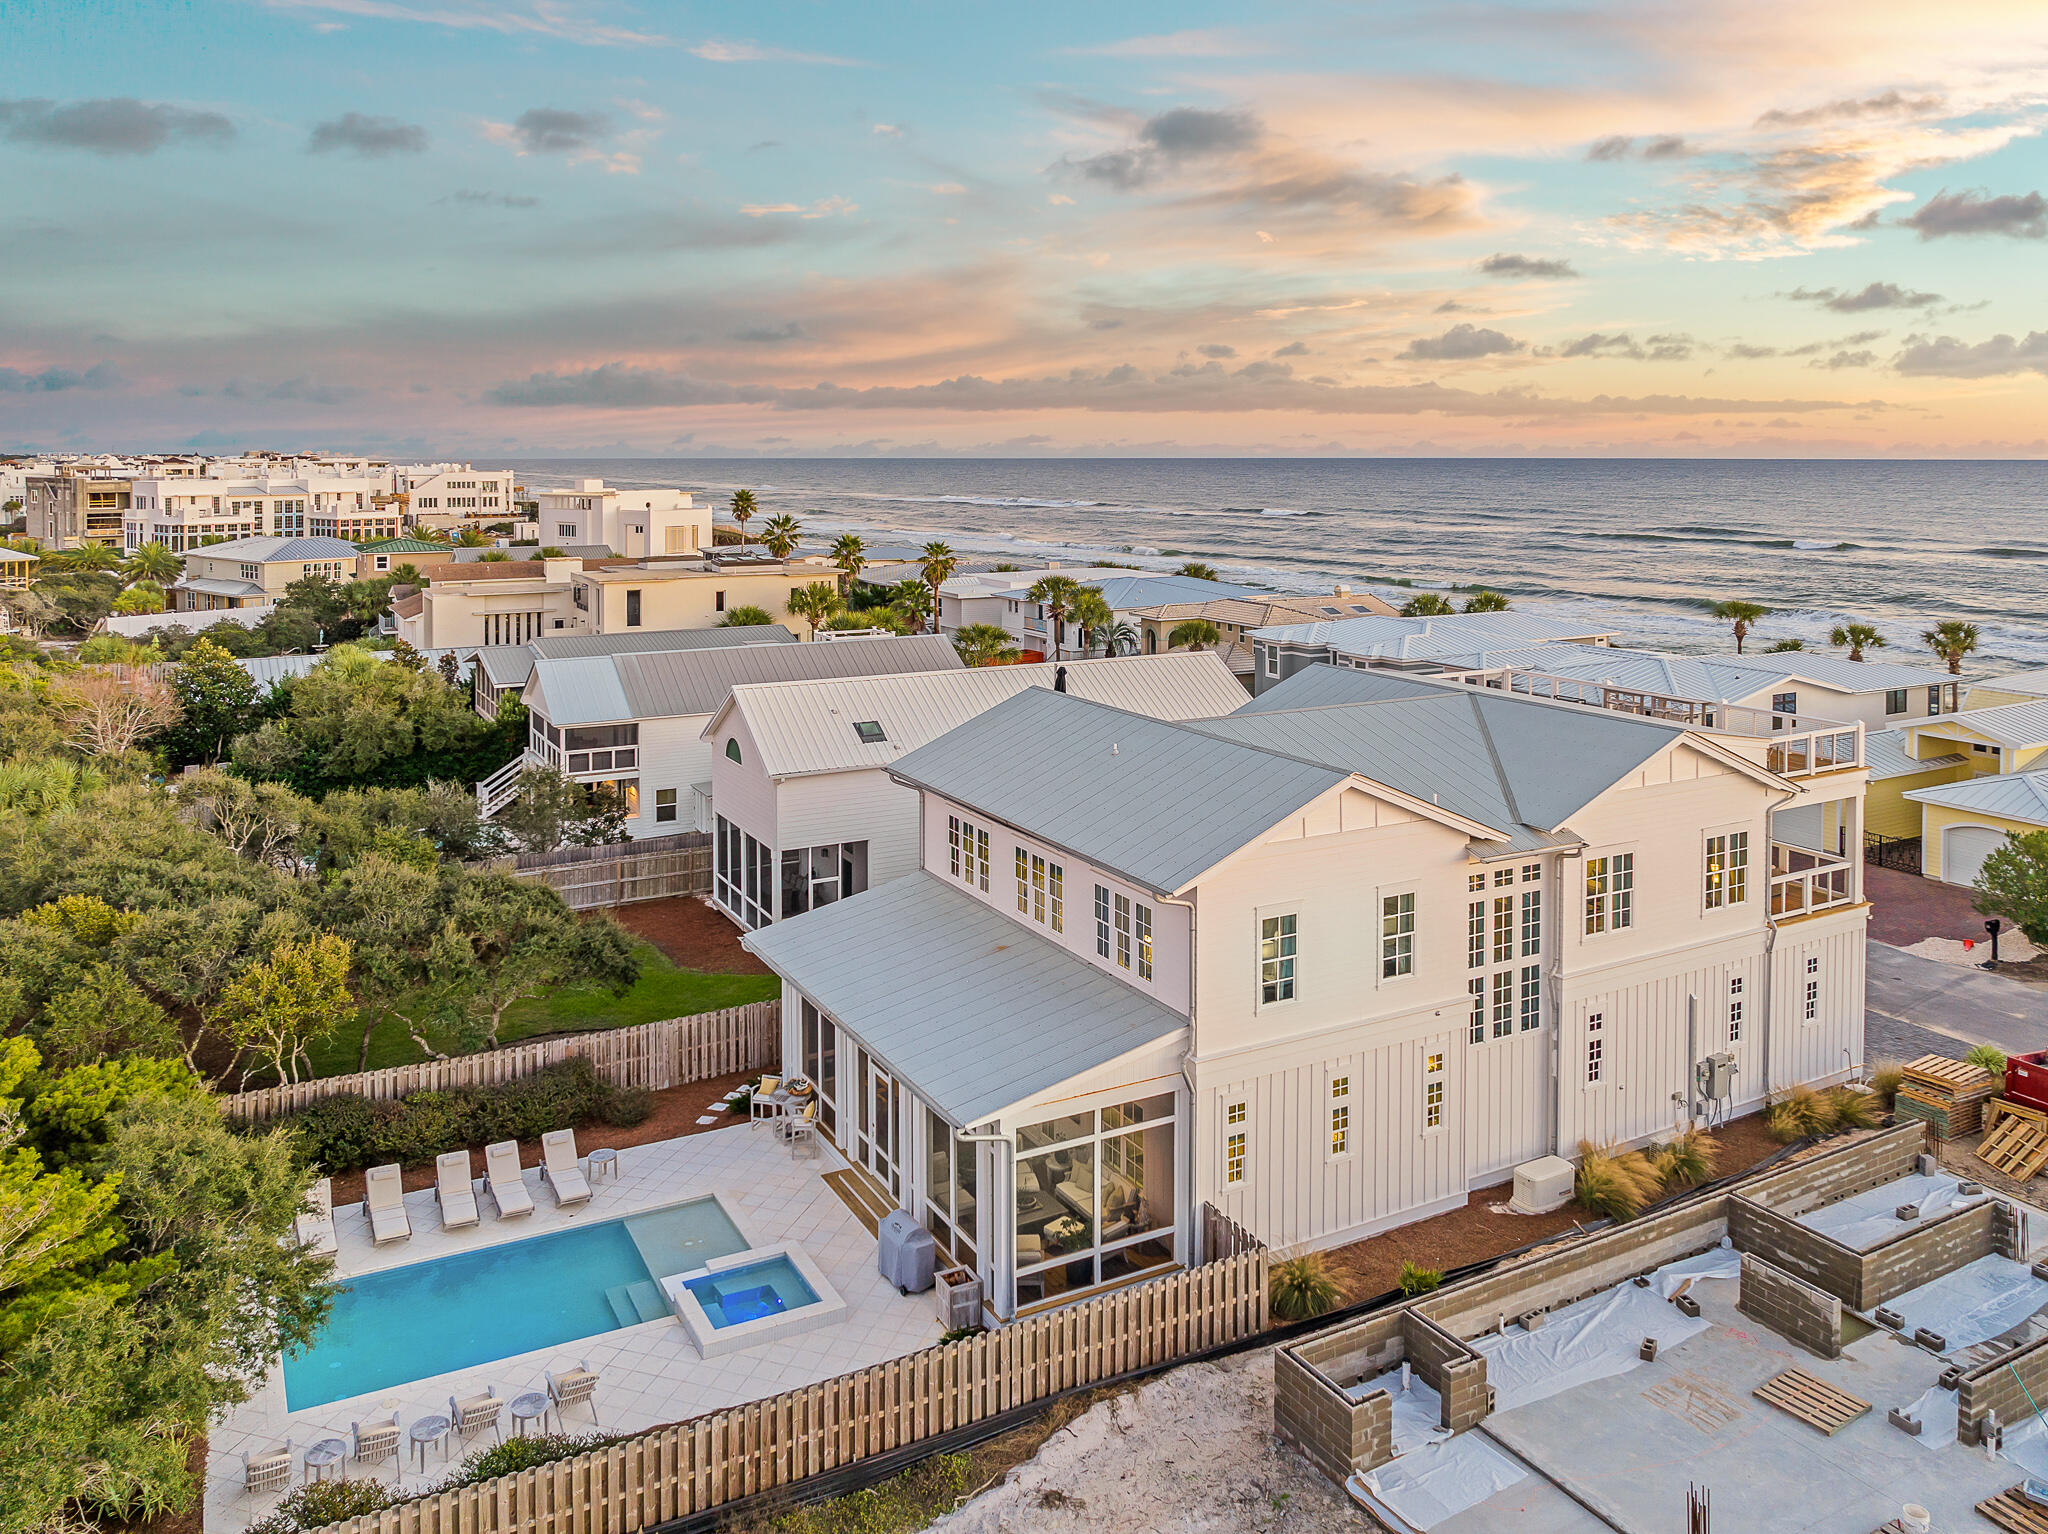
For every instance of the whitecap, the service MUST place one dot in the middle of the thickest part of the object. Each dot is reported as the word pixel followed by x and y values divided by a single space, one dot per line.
pixel 1280 511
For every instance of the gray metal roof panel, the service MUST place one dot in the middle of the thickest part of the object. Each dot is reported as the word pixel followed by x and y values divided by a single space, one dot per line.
pixel 1158 803
pixel 1884 753
pixel 995 1014
pixel 1422 638
pixel 1321 685
pixel 511 665
pixel 269 550
pixel 580 690
pixel 2011 796
pixel 2010 724
pixel 2033 684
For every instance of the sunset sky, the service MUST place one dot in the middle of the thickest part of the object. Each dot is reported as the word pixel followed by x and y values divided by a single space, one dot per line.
pixel 597 227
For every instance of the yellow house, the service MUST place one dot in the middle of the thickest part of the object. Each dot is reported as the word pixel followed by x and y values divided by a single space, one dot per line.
pixel 1893 771
pixel 2003 740
pixel 1964 823
pixel 2015 687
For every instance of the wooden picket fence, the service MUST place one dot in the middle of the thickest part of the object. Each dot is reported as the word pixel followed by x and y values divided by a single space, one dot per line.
pixel 651 1055
pixel 708 1461
pixel 592 878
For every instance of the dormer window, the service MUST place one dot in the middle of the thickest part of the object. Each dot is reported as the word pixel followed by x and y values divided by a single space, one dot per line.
pixel 870 732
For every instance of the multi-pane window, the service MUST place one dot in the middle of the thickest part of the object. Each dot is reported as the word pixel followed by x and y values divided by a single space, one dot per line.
pixel 1037 888
pixel 1233 1157
pixel 1727 869
pixel 1503 1003
pixel 1532 996
pixel 1531 872
pixel 1597 892
pixel 1595 1048
pixel 1503 928
pixel 1024 882
pixel 1397 935
pixel 1101 922
pixel 1624 890
pixel 1532 922
pixel 1735 1009
pixel 1895 700
pixel 1340 1115
pixel 1123 932
pixel 965 847
pixel 1276 958
pixel 1475 882
pixel 981 859
pixel 1475 934
pixel 1610 892
pixel 1144 915
pixel 1503 877
pixel 1477 986
pixel 1812 1000
pixel 1433 1091
pixel 1784 702
pixel 1058 877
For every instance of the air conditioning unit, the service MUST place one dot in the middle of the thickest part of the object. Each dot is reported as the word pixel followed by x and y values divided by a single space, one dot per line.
pixel 1543 1185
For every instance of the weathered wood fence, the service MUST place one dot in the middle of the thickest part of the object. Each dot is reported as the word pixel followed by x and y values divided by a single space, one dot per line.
pixel 708 1461
pixel 652 1055
pixel 590 878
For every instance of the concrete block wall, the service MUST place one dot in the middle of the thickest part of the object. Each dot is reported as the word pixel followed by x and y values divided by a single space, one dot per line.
pixel 1806 1315
pixel 1334 1433
pixel 2010 1236
pixel 1991 1387
pixel 1925 1253
pixel 1454 1371
pixel 1791 1248
pixel 1838 1174
pixel 1356 1352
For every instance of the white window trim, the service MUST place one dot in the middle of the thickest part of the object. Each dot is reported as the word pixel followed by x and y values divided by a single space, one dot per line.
pixel 1627 850
pixel 1331 1103
pixel 1379 949
pixel 1442 1077
pixel 1749 875
pixel 1260 916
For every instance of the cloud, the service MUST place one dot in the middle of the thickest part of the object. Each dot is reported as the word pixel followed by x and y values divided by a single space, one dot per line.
pixel 111 125
pixel 1668 147
pixel 55 380
pixel 490 199
pixel 561 19
pixel 1218 351
pixel 1947 213
pixel 367 138
pixel 1878 295
pixel 1946 357
pixel 1197 43
pixel 1168 141
pixel 720 52
pixel 1619 146
pixel 1504 265
pixel 1742 351
pixel 1892 103
pixel 1293 349
pixel 1662 348
pixel 550 130
pixel 1463 342
pixel 768 335
pixel 824 207
pixel 1613 147
pixel 1845 359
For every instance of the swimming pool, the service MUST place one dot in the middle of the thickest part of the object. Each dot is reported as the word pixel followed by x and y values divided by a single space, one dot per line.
pixel 751 1297
pixel 733 1296
pixel 429 1318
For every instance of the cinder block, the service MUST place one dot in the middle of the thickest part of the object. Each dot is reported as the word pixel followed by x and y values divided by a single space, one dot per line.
pixel 1888 1318
pixel 1904 1423
pixel 1687 1305
pixel 1649 1349
pixel 1929 1338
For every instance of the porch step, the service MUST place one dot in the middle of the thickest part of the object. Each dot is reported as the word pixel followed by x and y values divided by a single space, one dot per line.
pixel 863 1194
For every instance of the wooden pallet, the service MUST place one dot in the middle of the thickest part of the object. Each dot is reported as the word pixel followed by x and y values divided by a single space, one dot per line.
pixel 1813 1401
pixel 2016 1147
pixel 2014 1513
pixel 2001 1108
pixel 1954 1076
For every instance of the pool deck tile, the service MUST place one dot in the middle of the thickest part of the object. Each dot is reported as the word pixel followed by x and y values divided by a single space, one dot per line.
pixel 650 1374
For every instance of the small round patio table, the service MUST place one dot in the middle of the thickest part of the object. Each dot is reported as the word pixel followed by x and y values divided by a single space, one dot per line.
pixel 604 1165
pixel 530 1407
pixel 326 1455
pixel 425 1431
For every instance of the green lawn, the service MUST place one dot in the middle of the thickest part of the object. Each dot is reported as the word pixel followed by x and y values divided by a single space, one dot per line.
pixel 662 991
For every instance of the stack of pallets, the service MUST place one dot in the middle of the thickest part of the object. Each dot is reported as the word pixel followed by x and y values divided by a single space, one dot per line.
pixel 2015 1139
pixel 1948 1094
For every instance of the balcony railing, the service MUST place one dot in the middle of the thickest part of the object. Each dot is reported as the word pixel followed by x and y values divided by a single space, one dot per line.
pixel 1800 745
pixel 1803 880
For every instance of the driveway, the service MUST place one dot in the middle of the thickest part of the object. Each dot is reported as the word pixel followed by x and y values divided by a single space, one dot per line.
pixel 1904 908
pixel 1917 1006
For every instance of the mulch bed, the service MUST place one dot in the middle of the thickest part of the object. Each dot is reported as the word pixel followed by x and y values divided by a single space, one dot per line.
pixel 691 934
pixel 676 1111
pixel 1475 1233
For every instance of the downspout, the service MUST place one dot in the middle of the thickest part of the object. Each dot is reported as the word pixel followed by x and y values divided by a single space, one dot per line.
pixel 1771 943
pixel 1186 1169
pixel 1556 978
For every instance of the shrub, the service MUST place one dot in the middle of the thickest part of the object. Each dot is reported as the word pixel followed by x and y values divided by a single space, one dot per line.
pixel 323 1502
pixel 1798 1113
pixel 1302 1287
pixel 343 1132
pixel 1850 1109
pixel 626 1106
pixel 516 1454
pixel 1615 1183
pixel 1417 1280
pixel 1884 1083
pixel 1987 1057
pixel 1685 1161
pixel 427 1124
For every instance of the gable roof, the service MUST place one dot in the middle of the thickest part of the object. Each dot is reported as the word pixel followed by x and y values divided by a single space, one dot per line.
pixel 1323 684
pixel 996 1014
pixel 2010 724
pixel 1262 612
pixel 259 551
pixel 602 689
pixel 808 727
pixel 2009 796
pixel 2032 684
pixel 511 665
pixel 1125 589
pixel 1158 803
pixel 1884 754
pixel 403 546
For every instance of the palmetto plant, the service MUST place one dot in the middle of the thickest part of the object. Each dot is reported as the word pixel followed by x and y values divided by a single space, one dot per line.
pixel 1484 601
pixel 1858 637
pixel 1198 570
pixel 1195 634
pixel 153 562
pixel 1743 615
pixel 1951 639
pixel 913 604
pixel 93 556
pixel 937 564
pixel 1427 604
pixel 815 603
pixel 850 554
pixel 743 509
pixel 1120 639
pixel 985 644
pixel 780 534
pixel 1056 594
pixel 1091 614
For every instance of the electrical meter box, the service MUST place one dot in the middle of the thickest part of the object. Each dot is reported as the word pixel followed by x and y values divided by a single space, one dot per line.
pixel 1717 1077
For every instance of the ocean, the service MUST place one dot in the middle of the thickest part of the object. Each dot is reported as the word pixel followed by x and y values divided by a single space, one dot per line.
pixel 1651 543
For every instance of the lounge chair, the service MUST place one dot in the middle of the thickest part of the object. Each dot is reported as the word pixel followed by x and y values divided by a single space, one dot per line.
pixel 558 1168
pixel 384 1202
pixel 267 1472
pixel 453 1190
pixel 473 1414
pixel 504 1181
pixel 315 1227
pixel 575 1387
pixel 375 1442
pixel 761 1107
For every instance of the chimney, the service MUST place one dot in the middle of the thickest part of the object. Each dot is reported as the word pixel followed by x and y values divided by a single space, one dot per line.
pixel 1341 591
pixel 1059 680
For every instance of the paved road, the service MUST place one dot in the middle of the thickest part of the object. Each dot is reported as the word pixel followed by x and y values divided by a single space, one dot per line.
pixel 1917 1006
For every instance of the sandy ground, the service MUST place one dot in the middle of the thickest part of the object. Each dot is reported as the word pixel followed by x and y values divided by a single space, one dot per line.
pixel 2013 948
pixel 1187 1453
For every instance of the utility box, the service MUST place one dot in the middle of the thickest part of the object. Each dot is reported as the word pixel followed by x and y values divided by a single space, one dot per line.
pixel 1542 1185
pixel 1717 1078
pixel 905 1253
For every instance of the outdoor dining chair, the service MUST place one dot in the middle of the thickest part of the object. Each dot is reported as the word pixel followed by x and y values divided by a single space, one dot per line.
pixel 267 1472
pixel 573 1387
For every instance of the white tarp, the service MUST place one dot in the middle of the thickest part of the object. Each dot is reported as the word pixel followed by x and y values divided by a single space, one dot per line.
pixel 1438 1481
pixel 2026 1445
pixel 1717 1262
pixel 1418 1410
pixel 1935 1411
pixel 1873 1215
pixel 1975 1303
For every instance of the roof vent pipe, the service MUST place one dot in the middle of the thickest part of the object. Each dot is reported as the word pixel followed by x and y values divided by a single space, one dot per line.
pixel 1059 680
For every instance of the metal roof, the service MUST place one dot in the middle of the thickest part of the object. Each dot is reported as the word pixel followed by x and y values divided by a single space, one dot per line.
pixel 1840 672
pixel 511 665
pixel 603 689
pixel 1126 589
pixel 1158 803
pixel 1263 612
pixel 1428 638
pixel 1884 753
pixel 2032 683
pixel 212 587
pixel 268 670
pixel 977 1013
pixel 2010 724
pixel 1321 685
pixel 257 551
pixel 2012 796
pixel 404 546
pixel 807 727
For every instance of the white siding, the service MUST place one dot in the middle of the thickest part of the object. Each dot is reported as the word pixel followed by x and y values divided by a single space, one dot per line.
pixel 1831 1047
pixel 865 805
pixel 1506 1102
pixel 672 755
pixel 741 791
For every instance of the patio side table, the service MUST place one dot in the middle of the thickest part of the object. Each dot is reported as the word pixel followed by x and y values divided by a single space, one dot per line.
pixel 325 1455
pixel 533 1406
pixel 604 1166
pixel 425 1431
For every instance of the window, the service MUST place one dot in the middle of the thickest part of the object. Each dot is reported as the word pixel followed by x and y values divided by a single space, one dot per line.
pixel 1812 1000
pixel 1532 922
pixel 1123 932
pixel 1727 869
pixel 1596 895
pixel 870 732
pixel 1101 922
pixel 972 862
pixel 1023 882
pixel 1532 996
pixel 1503 1003
pixel 814 877
pixel 1503 876
pixel 1276 958
pixel 1813 964
pixel 1610 892
pixel 565 530
pixel 1895 700
pixel 1233 1157
pixel 1933 701
pixel 1477 986
pixel 1340 1115
pixel 1475 882
pixel 1058 877
pixel 1397 935
pixel 1503 928
pixel 981 859
pixel 1475 934
pixel 1735 1009
pixel 1594 1049
pixel 1433 1091
pixel 1624 890
pixel 953 845
pixel 664 804
pixel 1144 942
pixel 1234 1114
pixel 1784 702
pixel 718 601
pixel 1272 661
pixel 632 609
pixel 1038 889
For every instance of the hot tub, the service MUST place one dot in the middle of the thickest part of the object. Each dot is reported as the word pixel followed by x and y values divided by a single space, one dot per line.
pixel 751 1297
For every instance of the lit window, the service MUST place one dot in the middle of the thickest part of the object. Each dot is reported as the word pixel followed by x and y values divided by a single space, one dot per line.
pixel 1727 869
pixel 1233 1158
pixel 1234 1114
pixel 1433 1091
pixel 1144 942
pixel 1058 876
pixel 1475 934
pixel 1475 882
pixel 1123 931
pixel 981 860
pixel 1037 889
pixel 1596 895
pixel 1503 1003
pixel 1503 928
pixel 1276 958
pixel 1340 1115
pixel 1023 882
pixel 1397 935
pixel 1594 1048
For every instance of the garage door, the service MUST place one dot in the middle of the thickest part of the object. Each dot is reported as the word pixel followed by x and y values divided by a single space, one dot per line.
pixel 1964 849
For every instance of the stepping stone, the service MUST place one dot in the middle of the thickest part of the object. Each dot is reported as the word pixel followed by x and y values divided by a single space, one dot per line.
pixel 708 1118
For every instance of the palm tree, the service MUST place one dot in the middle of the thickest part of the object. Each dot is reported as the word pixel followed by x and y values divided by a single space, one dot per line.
pixel 938 566
pixel 913 604
pixel 93 556
pixel 1952 639
pixel 743 508
pixel 1195 634
pixel 780 534
pixel 153 562
pixel 815 603
pixel 472 538
pixel 1742 615
pixel 1858 637
pixel 1198 570
pixel 1427 604
pixel 747 617
pixel 985 644
pixel 1784 647
pixel 1091 614
pixel 1120 639
pixel 1056 594
pixel 1484 601
pixel 850 554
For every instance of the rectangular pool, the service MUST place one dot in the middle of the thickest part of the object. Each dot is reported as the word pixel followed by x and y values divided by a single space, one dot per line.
pixel 429 1318
pixel 767 1288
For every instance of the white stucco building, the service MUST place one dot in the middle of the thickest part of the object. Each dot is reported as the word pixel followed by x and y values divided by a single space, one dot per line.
pixel 631 523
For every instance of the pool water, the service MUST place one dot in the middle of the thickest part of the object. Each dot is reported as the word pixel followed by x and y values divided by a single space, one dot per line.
pixel 749 1292
pixel 429 1318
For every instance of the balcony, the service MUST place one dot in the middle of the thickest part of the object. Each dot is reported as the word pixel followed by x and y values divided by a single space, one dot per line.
pixel 1799 745
pixel 1803 880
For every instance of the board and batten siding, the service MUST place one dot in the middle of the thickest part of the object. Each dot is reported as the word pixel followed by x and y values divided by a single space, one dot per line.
pixel 1506 1099
pixel 1830 1048
pixel 864 805
pixel 741 791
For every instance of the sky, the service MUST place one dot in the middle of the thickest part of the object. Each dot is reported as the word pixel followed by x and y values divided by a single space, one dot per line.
pixel 629 227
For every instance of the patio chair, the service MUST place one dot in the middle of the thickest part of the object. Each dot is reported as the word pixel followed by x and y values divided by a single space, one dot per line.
pixel 453 1190
pixel 504 1181
pixel 558 1168
pixel 315 1227
pixel 473 1414
pixel 374 1442
pixel 574 1387
pixel 762 1109
pixel 384 1203
pixel 267 1472
pixel 802 1129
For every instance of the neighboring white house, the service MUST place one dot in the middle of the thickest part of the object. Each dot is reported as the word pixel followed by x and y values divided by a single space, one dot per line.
pixel 800 770
pixel 506 669
pixel 1454 640
pixel 635 722
pixel 450 496
pixel 1327 967
pixel 1126 591
pixel 631 523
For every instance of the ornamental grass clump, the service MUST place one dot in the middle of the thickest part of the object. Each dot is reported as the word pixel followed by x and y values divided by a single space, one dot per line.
pixel 1987 1057
pixel 1798 1113
pixel 323 1502
pixel 1885 1082
pixel 1615 1183
pixel 1416 1280
pixel 1301 1287
pixel 1686 1160
pixel 1851 1109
